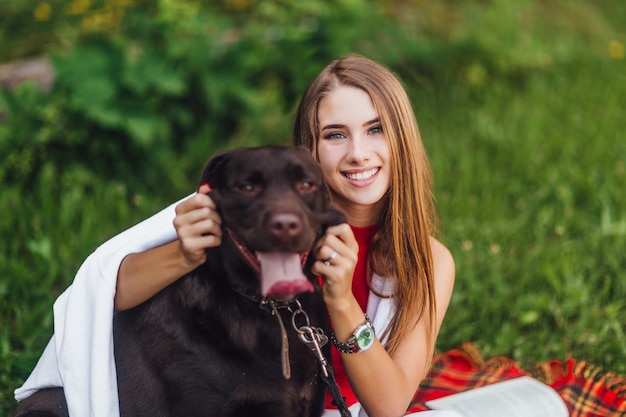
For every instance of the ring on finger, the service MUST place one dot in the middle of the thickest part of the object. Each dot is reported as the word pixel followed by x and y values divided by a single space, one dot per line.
pixel 332 256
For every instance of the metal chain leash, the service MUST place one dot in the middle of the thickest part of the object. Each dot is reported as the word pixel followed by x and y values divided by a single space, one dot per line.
pixel 315 338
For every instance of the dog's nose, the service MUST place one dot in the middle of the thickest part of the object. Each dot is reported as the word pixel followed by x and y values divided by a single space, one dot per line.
pixel 285 226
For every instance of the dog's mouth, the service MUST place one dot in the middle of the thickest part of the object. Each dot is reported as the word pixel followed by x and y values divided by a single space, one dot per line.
pixel 281 273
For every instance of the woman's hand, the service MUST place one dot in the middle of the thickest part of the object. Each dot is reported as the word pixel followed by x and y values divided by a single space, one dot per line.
pixel 198 226
pixel 336 255
pixel 141 275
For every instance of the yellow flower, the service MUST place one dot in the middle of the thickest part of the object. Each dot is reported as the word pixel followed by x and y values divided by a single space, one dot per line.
pixel 102 19
pixel 120 3
pixel 89 22
pixel 42 12
pixel 77 7
pixel 616 50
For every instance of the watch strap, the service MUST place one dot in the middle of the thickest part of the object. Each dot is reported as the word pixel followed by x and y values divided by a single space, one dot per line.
pixel 365 331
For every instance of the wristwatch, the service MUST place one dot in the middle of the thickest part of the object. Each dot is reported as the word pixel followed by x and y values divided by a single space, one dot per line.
pixel 362 338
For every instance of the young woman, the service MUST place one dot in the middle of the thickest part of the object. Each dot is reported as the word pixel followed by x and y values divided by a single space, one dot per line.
pixel 384 266
pixel 357 121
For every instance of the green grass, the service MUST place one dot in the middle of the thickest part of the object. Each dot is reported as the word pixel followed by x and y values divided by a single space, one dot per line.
pixel 530 174
pixel 49 230
pixel 530 188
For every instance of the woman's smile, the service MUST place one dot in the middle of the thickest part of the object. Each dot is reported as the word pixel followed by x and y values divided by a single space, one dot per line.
pixel 359 176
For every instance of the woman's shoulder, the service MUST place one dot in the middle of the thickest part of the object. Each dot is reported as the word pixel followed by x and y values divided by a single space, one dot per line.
pixel 443 262
pixel 442 257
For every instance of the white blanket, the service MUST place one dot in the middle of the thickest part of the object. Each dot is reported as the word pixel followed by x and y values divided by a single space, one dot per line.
pixel 79 356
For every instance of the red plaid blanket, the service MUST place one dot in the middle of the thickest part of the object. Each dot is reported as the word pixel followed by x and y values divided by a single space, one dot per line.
pixel 587 390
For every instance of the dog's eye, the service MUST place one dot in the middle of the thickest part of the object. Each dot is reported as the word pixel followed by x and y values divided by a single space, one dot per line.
pixel 247 188
pixel 305 186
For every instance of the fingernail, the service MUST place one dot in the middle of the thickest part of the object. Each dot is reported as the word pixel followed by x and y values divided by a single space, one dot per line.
pixel 205 184
pixel 320 280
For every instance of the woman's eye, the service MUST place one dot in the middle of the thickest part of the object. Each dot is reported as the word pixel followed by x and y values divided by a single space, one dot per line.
pixel 376 130
pixel 334 135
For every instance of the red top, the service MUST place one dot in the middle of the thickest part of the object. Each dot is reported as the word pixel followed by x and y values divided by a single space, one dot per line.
pixel 360 289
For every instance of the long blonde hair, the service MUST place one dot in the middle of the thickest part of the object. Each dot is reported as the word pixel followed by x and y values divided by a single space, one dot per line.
pixel 401 247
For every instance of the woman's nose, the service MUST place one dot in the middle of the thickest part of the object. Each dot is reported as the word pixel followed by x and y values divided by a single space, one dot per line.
pixel 358 151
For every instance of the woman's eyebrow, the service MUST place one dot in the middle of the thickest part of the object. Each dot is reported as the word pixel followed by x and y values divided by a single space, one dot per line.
pixel 373 121
pixel 339 126
pixel 332 126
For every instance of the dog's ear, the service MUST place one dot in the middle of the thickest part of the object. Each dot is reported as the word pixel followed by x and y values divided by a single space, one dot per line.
pixel 335 216
pixel 211 174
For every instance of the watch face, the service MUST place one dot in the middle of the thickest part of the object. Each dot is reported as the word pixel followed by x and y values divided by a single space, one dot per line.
pixel 365 337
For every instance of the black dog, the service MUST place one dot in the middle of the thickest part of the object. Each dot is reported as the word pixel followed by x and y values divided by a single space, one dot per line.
pixel 226 339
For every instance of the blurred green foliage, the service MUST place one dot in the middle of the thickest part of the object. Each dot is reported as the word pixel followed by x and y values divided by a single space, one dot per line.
pixel 520 105
pixel 140 85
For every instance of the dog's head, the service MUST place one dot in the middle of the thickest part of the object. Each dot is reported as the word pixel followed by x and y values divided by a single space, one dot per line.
pixel 274 205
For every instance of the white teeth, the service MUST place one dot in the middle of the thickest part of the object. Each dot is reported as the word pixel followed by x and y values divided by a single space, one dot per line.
pixel 360 176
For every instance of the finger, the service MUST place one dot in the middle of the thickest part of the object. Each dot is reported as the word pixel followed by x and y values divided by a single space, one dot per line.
pixel 201 228
pixel 193 246
pixel 332 255
pixel 344 233
pixel 337 277
pixel 204 188
pixel 199 215
pixel 333 262
pixel 197 245
pixel 195 202
pixel 208 226
pixel 332 244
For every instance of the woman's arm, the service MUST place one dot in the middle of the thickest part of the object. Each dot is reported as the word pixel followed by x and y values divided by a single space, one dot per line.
pixel 383 384
pixel 142 275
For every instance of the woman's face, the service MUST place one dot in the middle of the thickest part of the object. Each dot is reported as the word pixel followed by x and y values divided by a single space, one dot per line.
pixel 354 154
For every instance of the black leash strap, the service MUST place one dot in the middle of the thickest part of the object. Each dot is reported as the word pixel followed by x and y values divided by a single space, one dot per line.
pixel 340 401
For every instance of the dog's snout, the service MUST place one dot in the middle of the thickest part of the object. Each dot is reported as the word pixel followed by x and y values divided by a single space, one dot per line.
pixel 285 226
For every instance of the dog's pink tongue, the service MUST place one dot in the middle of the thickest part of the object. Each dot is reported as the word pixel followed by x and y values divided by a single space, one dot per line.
pixel 281 275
